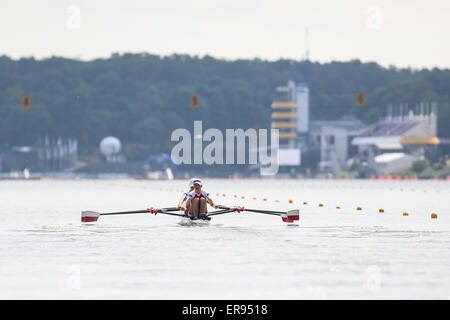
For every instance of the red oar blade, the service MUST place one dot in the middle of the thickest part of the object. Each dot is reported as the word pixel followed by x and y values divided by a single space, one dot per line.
pixel 290 216
pixel 89 216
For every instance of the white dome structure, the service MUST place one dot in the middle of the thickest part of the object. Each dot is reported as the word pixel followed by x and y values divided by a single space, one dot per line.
pixel 110 146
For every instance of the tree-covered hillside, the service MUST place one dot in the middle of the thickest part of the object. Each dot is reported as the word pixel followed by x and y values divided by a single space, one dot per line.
pixel 141 98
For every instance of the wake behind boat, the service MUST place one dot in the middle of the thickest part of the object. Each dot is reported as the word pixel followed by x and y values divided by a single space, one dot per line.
pixel 188 221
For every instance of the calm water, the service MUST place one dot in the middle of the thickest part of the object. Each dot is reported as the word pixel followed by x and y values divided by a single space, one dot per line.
pixel 45 252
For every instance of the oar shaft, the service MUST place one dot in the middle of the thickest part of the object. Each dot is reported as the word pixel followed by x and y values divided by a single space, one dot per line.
pixel 170 213
pixel 123 212
pixel 171 209
pixel 273 213
pixel 215 213
pixel 139 211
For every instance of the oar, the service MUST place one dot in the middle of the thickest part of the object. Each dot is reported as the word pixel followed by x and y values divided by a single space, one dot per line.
pixel 171 209
pixel 92 216
pixel 286 216
pixel 164 211
pixel 215 213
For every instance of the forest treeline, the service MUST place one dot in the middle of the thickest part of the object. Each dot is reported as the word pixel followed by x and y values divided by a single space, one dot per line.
pixel 141 98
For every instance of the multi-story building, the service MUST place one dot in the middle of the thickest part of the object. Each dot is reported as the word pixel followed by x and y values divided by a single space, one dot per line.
pixel 291 116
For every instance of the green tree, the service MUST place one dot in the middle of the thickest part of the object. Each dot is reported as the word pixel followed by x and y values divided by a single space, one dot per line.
pixel 419 166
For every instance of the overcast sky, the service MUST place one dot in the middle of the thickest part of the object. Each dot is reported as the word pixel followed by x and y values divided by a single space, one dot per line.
pixel 403 33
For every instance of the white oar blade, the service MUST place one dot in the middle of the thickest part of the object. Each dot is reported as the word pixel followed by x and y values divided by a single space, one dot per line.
pixel 290 216
pixel 89 216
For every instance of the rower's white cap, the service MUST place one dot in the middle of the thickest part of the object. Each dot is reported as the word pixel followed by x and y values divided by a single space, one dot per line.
pixel 198 181
pixel 191 182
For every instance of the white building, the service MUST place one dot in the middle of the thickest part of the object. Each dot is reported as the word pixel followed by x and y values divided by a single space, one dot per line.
pixel 333 140
pixel 393 161
pixel 381 145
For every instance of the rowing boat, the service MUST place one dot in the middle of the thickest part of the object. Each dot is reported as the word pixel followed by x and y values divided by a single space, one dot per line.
pixel 286 216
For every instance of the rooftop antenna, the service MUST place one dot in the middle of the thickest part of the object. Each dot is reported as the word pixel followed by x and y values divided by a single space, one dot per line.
pixel 307 45
pixel 307 54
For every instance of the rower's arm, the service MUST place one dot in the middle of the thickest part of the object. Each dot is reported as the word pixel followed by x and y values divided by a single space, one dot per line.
pixel 211 202
pixel 182 200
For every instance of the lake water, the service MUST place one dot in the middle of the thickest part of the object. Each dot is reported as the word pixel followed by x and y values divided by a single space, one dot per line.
pixel 46 253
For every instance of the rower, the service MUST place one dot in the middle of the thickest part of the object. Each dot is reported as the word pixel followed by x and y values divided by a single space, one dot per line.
pixel 185 203
pixel 198 200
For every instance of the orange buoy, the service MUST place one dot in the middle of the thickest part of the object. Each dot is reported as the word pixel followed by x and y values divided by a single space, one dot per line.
pixel 434 215
pixel 405 214
pixel 381 210
pixel 305 203
pixel 320 204
pixel 358 208
pixel 290 201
